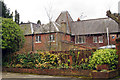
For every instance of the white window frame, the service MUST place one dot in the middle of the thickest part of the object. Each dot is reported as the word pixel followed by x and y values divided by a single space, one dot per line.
pixel 100 39
pixel 52 38
pixel 38 39
pixel 95 40
pixel 78 41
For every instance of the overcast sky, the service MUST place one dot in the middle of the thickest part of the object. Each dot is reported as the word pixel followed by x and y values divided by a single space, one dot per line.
pixel 34 10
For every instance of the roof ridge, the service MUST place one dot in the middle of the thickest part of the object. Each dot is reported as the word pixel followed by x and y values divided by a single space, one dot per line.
pixel 91 19
pixel 28 23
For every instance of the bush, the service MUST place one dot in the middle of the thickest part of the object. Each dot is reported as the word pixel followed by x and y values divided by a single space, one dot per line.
pixel 85 66
pixel 12 36
pixel 104 56
pixel 40 60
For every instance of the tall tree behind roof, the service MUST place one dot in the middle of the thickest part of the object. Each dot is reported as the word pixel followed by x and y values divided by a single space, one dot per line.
pixel 17 17
pixel 5 11
pixel 115 16
pixel 39 22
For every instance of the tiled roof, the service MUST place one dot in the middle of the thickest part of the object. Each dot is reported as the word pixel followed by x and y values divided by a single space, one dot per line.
pixel 94 26
pixel 84 27
pixel 46 28
pixel 29 28
pixel 26 27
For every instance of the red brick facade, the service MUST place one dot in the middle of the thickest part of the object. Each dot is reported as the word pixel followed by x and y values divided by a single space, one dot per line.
pixel 118 51
pixel 62 41
pixel 44 44
pixel 89 40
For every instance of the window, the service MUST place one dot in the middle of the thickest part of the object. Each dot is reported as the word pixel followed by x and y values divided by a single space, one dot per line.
pixel 77 39
pixel 94 39
pixel 38 39
pixel 52 38
pixel 100 39
pixel 80 39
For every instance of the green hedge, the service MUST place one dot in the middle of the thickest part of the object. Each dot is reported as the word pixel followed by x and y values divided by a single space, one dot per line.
pixel 46 60
pixel 104 56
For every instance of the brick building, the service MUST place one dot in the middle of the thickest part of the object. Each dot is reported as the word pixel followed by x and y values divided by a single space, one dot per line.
pixel 66 34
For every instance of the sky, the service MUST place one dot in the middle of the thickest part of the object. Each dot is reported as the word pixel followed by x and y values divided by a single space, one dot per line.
pixel 34 10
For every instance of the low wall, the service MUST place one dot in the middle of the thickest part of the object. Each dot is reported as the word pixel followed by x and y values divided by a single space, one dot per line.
pixel 65 72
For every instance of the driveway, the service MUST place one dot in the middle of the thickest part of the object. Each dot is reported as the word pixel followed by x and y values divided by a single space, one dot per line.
pixel 24 76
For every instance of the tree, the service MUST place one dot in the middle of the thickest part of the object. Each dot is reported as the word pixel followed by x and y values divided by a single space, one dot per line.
pixel 17 17
pixel 49 15
pixel 115 16
pixel 12 36
pixel 5 11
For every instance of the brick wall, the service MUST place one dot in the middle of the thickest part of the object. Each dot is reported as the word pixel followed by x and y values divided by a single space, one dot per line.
pixel 118 51
pixel 89 41
pixel 27 45
pixel 60 42
pixel 56 45
pixel 44 44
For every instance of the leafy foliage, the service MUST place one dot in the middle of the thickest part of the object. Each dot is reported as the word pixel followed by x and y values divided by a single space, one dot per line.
pixel 47 60
pixel 104 56
pixel 12 35
pixel 39 60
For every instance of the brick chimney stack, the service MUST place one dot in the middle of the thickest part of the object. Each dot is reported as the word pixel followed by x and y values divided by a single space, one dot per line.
pixel 78 19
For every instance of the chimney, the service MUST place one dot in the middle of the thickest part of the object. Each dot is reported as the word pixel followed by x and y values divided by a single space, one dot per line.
pixel 64 26
pixel 78 19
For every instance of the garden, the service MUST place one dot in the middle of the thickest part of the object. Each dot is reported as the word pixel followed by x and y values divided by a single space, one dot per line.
pixel 71 63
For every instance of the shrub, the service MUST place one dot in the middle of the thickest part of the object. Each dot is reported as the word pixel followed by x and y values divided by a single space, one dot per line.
pixel 12 36
pixel 35 60
pixel 18 66
pixel 104 56
pixel 85 66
